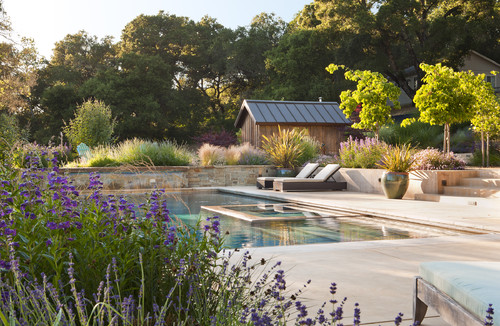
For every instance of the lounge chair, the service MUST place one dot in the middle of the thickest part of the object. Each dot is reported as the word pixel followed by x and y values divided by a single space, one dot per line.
pixel 459 291
pixel 319 182
pixel 306 172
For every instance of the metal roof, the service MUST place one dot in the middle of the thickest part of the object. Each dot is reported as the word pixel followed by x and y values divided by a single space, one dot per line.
pixel 291 112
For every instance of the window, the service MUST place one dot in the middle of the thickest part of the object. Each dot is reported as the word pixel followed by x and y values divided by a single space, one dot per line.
pixel 412 82
pixel 491 79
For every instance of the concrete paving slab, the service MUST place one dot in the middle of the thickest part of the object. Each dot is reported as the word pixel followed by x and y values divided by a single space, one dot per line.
pixel 379 275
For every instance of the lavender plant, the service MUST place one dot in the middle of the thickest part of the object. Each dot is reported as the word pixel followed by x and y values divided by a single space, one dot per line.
pixel 21 154
pixel 361 153
pixel 48 219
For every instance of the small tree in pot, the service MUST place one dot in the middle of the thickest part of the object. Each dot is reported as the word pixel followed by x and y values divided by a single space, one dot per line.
pixel 398 162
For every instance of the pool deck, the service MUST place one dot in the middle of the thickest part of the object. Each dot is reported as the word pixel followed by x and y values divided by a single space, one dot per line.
pixel 379 275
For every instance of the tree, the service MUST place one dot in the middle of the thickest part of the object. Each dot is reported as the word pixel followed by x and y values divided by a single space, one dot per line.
pixel 391 36
pixel 92 124
pixel 83 54
pixel 486 119
pixel 295 67
pixel 373 93
pixel 76 59
pixel 19 62
pixel 445 98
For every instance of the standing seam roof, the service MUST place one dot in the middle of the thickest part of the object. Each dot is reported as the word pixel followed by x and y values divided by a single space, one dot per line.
pixel 292 112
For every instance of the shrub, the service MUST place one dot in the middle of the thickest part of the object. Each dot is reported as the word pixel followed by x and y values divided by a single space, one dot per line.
pixel 222 138
pixel 285 148
pixel 21 154
pixel 92 124
pixel 433 159
pixel 251 155
pixel 418 134
pixel 211 155
pixel 311 150
pixel 361 153
pixel 477 159
pixel 10 134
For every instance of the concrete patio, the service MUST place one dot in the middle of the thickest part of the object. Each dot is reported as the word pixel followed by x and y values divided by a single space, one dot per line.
pixel 379 275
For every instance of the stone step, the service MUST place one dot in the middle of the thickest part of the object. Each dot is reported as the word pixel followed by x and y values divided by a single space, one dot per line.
pixel 464 191
pixel 489 173
pixel 494 203
pixel 481 182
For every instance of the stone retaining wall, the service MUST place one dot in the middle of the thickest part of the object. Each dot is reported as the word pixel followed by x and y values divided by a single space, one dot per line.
pixel 171 176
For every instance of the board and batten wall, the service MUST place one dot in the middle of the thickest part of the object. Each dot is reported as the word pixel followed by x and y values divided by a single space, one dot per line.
pixel 330 135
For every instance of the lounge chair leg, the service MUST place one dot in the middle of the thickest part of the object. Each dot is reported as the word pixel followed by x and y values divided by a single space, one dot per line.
pixel 419 307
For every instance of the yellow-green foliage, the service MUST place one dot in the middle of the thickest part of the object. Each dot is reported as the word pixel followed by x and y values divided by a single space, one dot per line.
pixel 398 158
pixel 211 155
pixel 285 148
pixel 373 92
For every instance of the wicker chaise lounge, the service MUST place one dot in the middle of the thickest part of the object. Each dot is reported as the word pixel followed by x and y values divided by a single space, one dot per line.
pixel 459 291
pixel 306 172
pixel 320 182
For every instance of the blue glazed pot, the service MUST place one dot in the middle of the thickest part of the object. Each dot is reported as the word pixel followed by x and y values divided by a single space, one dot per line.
pixel 285 172
pixel 395 184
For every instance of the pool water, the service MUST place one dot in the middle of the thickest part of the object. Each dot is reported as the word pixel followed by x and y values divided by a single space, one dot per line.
pixel 308 229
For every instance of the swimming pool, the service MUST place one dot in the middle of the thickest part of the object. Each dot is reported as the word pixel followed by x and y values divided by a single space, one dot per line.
pixel 301 226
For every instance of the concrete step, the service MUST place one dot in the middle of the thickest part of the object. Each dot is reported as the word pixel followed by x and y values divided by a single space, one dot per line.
pixel 493 203
pixel 481 182
pixel 489 173
pixel 464 191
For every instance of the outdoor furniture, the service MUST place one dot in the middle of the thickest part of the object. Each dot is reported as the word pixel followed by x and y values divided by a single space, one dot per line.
pixel 84 151
pixel 459 291
pixel 319 182
pixel 306 172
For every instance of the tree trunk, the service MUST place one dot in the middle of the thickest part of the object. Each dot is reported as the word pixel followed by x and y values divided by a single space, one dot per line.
pixel 482 149
pixel 446 138
pixel 487 149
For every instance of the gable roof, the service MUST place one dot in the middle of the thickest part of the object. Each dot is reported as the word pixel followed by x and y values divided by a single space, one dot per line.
pixel 493 62
pixel 291 112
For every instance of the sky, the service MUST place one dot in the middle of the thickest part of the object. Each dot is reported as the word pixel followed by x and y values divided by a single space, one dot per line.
pixel 49 21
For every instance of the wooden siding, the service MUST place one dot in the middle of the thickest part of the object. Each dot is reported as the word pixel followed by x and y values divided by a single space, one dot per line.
pixel 331 136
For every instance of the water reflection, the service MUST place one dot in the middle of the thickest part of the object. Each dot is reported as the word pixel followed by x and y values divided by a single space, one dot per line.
pixel 186 206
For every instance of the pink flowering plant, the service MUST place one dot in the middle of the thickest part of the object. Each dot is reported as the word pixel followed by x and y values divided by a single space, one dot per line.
pixel 433 159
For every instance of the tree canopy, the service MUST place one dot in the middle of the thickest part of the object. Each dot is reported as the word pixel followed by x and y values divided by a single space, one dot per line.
pixel 448 97
pixel 390 36
pixel 374 94
pixel 171 77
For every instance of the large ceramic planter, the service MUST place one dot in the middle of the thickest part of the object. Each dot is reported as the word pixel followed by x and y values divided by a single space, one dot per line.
pixel 285 172
pixel 395 184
